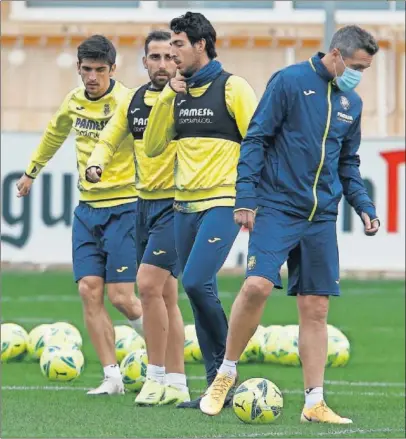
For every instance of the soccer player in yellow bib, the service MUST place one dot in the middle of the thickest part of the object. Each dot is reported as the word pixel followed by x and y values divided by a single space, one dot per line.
pixel 103 234
pixel 207 111
pixel 156 255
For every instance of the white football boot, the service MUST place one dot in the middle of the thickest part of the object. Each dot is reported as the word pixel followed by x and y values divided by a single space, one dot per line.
pixel 109 386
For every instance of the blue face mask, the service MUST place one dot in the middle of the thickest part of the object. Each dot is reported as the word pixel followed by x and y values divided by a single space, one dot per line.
pixel 349 79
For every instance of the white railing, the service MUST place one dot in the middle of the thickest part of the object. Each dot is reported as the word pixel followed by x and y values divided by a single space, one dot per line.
pixel 150 12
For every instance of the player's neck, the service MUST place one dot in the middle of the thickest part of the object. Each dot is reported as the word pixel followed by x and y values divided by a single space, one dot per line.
pixel 203 62
pixel 101 93
pixel 155 87
pixel 328 64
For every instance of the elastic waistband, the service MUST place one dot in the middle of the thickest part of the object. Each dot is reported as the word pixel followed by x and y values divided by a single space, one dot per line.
pixel 157 195
pixel 205 194
pixel 129 205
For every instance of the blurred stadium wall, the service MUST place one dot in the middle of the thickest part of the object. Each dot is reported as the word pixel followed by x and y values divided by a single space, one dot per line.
pixel 255 38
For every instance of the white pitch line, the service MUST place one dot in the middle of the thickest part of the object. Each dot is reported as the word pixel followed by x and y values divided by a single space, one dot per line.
pixel 46 388
pixel 338 432
pixel 285 391
pixel 182 296
pixel 365 384
pixel 335 383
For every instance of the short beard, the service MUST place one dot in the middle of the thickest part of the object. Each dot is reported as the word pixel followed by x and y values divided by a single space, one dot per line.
pixel 189 73
pixel 158 86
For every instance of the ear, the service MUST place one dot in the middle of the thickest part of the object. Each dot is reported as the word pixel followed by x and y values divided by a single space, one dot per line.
pixel 335 53
pixel 144 62
pixel 113 69
pixel 201 45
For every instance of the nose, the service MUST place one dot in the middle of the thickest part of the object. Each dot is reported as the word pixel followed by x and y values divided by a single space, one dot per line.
pixel 162 63
pixel 92 75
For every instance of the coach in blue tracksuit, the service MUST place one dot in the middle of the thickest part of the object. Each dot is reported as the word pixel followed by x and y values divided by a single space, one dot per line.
pixel 298 158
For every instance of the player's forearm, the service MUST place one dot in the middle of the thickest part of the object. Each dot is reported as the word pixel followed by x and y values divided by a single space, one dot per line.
pixel 161 124
pixel 110 140
pixel 361 202
pixel 102 154
pixel 249 171
pixel 50 143
pixel 355 191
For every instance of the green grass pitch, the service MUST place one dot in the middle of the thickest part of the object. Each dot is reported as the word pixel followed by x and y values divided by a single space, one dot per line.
pixel 370 389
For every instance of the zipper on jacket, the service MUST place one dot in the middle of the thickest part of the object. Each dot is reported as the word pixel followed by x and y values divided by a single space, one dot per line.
pixel 323 152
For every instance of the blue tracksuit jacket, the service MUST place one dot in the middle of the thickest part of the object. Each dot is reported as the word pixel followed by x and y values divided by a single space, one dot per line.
pixel 300 152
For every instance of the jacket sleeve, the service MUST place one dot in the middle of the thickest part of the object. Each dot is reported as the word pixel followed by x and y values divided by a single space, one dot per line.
pixel 348 169
pixel 160 129
pixel 265 123
pixel 55 134
pixel 241 102
pixel 112 135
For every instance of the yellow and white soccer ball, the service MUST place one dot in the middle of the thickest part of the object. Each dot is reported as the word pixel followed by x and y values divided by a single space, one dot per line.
pixel 338 353
pixel 260 331
pixel 36 342
pixel 14 340
pixel 62 363
pixel 269 348
pixel 121 334
pixel 72 333
pixel 192 352
pixel 288 346
pixel 142 355
pixel 134 342
pixel 134 370
pixel 60 334
pixel 252 351
pixel 258 401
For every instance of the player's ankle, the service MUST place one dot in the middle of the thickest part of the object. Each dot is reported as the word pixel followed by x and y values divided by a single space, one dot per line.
pixel 156 373
pixel 228 367
pixel 177 380
pixel 313 396
pixel 112 371
pixel 137 325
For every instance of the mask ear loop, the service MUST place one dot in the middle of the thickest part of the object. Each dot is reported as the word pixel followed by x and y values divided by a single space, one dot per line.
pixel 335 67
pixel 342 59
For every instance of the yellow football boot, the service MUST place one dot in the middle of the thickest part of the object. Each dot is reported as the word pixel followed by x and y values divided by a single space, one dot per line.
pixel 173 395
pixel 322 413
pixel 215 396
pixel 151 393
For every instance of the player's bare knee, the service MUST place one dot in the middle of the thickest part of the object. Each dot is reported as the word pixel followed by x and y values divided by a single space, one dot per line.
pixel 91 291
pixel 122 296
pixel 170 299
pixel 314 308
pixel 170 292
pixel 148 289
pixel 256 290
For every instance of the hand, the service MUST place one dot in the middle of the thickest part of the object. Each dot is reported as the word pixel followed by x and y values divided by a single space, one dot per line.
pixel 93 174
pixel 246 218
pixel 178 84
pixel 370 227
pixel 24 185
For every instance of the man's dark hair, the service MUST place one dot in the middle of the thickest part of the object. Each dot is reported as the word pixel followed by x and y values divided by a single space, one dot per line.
pixel 197 27
pixel 98 48
pixel 156 35
pixel 349 39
